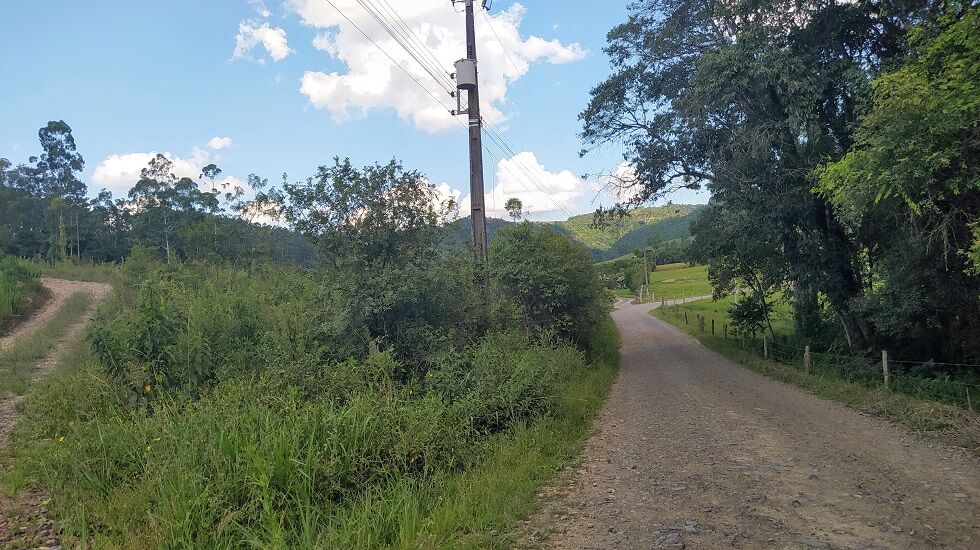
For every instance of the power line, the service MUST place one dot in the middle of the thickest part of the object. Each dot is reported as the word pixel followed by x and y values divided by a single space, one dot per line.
pixel 409 42
pixel 508 145
pixel 422 45
pixel 382 50
pixel 496 135
pixel 531 93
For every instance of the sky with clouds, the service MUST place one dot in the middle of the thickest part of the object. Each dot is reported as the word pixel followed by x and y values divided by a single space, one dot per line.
pixel 281 86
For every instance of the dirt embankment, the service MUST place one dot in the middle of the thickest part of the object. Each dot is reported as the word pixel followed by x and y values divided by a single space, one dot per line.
pixel 695 451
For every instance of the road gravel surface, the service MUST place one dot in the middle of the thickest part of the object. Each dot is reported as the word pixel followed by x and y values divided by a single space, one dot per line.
pixel 695 451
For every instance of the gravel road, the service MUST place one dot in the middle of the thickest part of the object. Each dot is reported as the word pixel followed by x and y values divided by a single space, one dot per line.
pixel 695 451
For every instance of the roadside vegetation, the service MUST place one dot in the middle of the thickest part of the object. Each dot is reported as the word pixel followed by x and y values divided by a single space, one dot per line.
pixel 862 218
pixel 19 284
pixel 371 401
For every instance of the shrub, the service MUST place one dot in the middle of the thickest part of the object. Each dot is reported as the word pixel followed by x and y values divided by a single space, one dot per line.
pixel 18 282
pixel 552 278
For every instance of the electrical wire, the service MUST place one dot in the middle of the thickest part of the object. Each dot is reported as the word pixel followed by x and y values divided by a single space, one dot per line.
pixel 530 92
pixel 416 49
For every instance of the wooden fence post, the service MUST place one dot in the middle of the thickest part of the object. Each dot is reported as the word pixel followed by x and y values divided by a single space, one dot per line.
pixel 712 327
pixel 885 371
pixel 807 360
pixel 765 346
pixel 685 318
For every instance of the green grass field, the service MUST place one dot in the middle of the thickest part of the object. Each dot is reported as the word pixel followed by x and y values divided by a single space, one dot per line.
pixel 782 317
pixel 674 281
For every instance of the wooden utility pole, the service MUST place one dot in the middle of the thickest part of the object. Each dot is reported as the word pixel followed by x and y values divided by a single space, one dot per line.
pixel 467 79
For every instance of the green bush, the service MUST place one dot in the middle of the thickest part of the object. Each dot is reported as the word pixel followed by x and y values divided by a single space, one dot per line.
pixel 18 282
pixel 258 460
pixel 552 278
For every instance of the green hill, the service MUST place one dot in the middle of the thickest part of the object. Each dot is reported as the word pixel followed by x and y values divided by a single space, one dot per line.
pixel 670 224
pixel 604 238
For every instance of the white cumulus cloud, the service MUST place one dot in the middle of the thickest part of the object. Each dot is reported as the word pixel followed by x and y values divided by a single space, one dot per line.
pixel 372 81
pixel 251 34
pixel 119 172
pixel 217 143
pixel 541 192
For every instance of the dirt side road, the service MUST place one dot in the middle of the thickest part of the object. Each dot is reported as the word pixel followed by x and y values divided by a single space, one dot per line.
pixel 23 517
pixel 59 290
pixel 694 451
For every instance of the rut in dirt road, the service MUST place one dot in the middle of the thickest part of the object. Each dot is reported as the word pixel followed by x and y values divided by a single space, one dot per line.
pixel 695 451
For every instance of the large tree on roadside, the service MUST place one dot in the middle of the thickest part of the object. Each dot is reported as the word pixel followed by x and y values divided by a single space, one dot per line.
pixel 747 99
pixel 908 191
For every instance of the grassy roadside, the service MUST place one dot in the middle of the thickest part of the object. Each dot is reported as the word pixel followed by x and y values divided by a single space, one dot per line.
pixel 19 361
pixel 84 271
pixel 470 507
pixel 19 283
pixel 954 424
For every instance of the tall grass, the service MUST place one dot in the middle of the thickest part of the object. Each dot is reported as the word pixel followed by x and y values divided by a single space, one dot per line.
pixel 18 362
pixel 81 271
pixel 243 435
pixel 18 283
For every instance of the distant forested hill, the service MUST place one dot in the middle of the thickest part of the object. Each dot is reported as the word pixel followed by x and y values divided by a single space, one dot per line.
pixel 616 238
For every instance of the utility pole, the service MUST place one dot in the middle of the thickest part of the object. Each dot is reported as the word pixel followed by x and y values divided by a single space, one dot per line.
pixel 467 79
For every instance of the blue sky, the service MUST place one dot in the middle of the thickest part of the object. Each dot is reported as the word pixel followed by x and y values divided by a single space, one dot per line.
pixel 292 85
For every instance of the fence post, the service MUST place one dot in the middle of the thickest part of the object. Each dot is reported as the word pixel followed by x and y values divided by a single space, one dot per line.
pixel 885 371
pixel 765 346
pixel 725 328
pixel 712 327
pixel 807 360
pixel 685 318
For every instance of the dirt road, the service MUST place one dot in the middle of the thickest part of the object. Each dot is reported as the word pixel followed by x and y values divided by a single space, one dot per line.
pixel 58 290
pixel 694 451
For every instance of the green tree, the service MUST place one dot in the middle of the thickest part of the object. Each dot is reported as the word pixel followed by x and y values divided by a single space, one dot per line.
pixel 377 232
pixel 747 99
pixel 165 205
pixel 908 191
pixel 741 261
pixel 552 278
pixel 514 208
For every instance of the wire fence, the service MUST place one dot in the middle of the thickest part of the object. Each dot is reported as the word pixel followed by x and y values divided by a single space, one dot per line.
pixel 870 371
